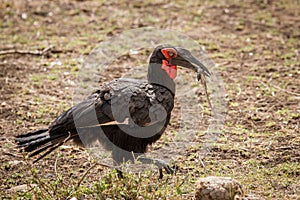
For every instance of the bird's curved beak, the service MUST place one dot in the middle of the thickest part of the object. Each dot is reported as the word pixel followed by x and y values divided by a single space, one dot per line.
pixel 187 60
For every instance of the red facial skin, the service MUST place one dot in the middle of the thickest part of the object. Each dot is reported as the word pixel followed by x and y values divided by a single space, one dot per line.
pixel 171 70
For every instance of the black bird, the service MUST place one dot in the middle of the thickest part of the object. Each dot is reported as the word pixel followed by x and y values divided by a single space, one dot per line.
pixel 141 111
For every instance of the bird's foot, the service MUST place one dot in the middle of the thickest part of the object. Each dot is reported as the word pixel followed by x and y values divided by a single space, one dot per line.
pixel 161 164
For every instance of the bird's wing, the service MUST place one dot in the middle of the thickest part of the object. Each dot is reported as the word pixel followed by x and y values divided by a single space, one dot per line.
pixel 97 108
pixel 140 103
pixel 120 100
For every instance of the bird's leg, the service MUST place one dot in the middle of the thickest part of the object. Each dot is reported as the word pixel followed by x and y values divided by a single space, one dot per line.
pixel 120 157
pixel 159 163
pixel 120 174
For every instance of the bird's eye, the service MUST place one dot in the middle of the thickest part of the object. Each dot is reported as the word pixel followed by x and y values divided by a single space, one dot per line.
pixel 169 53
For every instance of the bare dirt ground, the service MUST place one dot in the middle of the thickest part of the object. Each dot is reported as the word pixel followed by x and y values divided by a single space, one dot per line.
pixel 255 44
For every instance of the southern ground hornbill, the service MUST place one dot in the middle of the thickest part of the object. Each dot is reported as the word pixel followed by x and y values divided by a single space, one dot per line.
pixel 140 110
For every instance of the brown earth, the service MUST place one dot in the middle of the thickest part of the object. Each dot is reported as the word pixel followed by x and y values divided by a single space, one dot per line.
pixel 255 44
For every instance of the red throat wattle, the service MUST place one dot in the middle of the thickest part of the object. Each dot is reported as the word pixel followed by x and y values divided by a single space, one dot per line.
pixel 170 69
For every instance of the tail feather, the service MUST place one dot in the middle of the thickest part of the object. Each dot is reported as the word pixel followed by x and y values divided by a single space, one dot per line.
pixel 26 135
pixel 31 137
pixel 49 147
pixel 41 141
pixel 26 142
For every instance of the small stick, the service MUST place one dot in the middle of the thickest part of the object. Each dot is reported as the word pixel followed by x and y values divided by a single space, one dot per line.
pixel 55 166
pixel 89 169
pixel 36 52
pixel 287 91
pixel 84 175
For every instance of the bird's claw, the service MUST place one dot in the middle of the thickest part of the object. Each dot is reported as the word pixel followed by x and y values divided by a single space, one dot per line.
pixel 159 163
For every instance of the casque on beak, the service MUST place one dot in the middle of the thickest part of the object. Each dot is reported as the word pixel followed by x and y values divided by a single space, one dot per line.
pixel 187 60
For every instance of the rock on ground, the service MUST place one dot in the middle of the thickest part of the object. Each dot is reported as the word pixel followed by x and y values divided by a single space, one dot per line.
pixel 218 188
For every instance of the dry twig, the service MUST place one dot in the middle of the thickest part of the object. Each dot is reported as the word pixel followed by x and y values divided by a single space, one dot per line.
pixel 35 52
pixel 89 169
